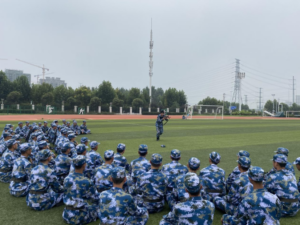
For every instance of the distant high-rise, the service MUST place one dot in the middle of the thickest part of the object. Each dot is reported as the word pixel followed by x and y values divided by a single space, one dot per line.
pixel 54 81
pixel 14 74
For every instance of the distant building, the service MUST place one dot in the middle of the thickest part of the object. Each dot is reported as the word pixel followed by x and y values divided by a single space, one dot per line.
pixel 14 74
pixel 298 99
pixel 54 81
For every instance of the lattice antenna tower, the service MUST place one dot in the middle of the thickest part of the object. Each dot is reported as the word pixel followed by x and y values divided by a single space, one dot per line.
pixel 237 93
pixel 150 66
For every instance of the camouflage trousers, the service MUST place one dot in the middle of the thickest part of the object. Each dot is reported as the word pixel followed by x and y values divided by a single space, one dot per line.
pixel 225 206
pixel 138 220
pixel 153 207
pixel 82 216
pixel 289 209
pixel 18 189
pixel 85 131
pixel 45 201
pixel 5 177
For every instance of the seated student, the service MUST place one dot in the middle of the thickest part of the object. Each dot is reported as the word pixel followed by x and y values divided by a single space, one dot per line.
pixel 19 129
pixel 45 190
pixel 63 162
pixel 213 178
pixel 239 189
pixel 152 186
pixel 283 184
pixel 84 129
pixel 195 210
pixel 78 190
pixel 75 128
pixel 259 207
pixel 45 128
pixel 119 159
pixel 19 184
pixel 297 163
pixel 117 207
pixel 179 194
pixel 7 161
pixel 93 160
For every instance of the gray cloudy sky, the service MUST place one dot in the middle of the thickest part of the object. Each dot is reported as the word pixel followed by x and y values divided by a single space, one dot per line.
pixel 195 43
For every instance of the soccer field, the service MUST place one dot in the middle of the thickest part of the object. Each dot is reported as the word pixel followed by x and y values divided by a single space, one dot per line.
pixel 192 137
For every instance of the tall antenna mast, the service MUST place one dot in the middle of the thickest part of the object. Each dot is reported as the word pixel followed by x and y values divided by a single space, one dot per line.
pixel 150 66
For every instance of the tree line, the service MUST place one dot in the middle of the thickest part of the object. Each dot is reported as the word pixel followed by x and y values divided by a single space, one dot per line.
pixel 21 92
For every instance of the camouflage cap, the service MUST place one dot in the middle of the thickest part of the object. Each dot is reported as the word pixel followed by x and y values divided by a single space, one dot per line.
pixel 215 157
pixel 156 159
pixel 123 161
pixel 64 131
pixel 6 134
pixel 45 122
pixel 84 121
pixel 94 144
pixel 297 161
pixel 280 158
pixel 121 147
pixel 80 148
pixel 79 160
pixel 192 183
pixel 27 122
pixel 42 144
pixel 24 147
pixel 71 136
pixel 64 120
pixel 20 123
pixel 41 137
pixel 55 121
pixel 244 161
pixel 44 154
pixel 175 154
pixel 256 173
pixel 118 173
pixel 53 125
pixel 108 154
pixel 243 153
pixel 143 148
pixel 194 163
pixel 16 137
pixel 283 151
pixel 10 143
pixel 40 123
pixel 65 146
pixel 83 140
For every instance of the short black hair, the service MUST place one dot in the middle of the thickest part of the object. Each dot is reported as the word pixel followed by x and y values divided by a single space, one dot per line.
pixel 106 159
pixel 120 151
pixel 195 194
pixel 118 180
pixel 155 165
pixel 257 182
pixel 282 164
pixel 175 159
pixel 245 168
pixel 78 167
pixel 143 154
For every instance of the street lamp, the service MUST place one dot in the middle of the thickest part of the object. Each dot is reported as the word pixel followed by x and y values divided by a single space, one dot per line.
pixel 273 102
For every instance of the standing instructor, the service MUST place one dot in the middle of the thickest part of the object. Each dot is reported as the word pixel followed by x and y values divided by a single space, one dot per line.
pixel 159 124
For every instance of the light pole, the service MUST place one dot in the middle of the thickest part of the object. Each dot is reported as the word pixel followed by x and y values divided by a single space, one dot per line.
pixel 273 102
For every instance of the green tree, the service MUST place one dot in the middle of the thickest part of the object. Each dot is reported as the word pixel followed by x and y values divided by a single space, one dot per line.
pixel 61 94
pixel 181 98
pixel 22 85
pixel 145 96
pixel 106 92
pixel 5 85
pixel 170 96
pixel 117 102
pixel 133 94
pixel 14 97
pixel 157 97
pixel 137 102
pixel 71 101
pixel 122 93
pixel 269 106
pixel 38 90
pixel 47 99
pixel 83 95
pixel 95 102
pixel 210 101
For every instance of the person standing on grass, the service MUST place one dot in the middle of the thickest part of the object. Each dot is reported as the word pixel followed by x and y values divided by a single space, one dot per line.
pixel 118 207
pixel 179 194
pixel 283 184
pixel 7 160
pixel 19 184
pixel 195 210
pixel 235 173
pixel 160 124
pixel 239 189
pixel 45 190
pixel 173 169
pixel 259 207
pixel 213 178
pixel 78 190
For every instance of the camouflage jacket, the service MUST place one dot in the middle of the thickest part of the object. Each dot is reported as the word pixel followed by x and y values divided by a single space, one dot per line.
pixel 102 177
pixel 94 160
pixel 6 165
pixel 62 164
pixel 138 167
pixel 213 179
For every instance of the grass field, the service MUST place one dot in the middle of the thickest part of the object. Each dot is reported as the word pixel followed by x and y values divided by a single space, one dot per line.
pixel 194 138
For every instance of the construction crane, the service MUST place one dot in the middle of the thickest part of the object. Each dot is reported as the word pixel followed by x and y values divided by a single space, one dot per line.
pixel 43 68
pixel 38 76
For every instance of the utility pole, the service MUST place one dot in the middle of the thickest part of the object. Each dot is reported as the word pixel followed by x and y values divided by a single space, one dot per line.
pixel 223 100
pixel 260 108
pixel 273 103
pixel 150 67
pixel 293 89
pixel 246 100
pixel 237 94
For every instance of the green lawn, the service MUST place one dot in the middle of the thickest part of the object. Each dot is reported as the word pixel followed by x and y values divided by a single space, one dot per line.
pixel 194 138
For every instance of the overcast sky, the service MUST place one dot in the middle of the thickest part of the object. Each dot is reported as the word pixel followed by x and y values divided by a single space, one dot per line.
pixel 195 43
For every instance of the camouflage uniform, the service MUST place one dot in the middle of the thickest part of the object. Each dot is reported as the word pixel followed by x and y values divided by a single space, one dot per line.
pixel 103 174
pixel 259 207
pixel 7 162
pixel 139 165
pixel 195 210
pixel 19 130
pixel 84 129
pixel 234 174
pixel 179 194
pixel 240 188
pixel 119 159
pixel 173 170
pixel 19 184
pixel 117 207
pixel 94 160
pixel 45 191
pixel 62 166
pixel 297 162
pixel 75 128
pixel 284 185
pixel 152 186
pixel 78 190
pixel 52 134
pixel 213 179
pixel 45 129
